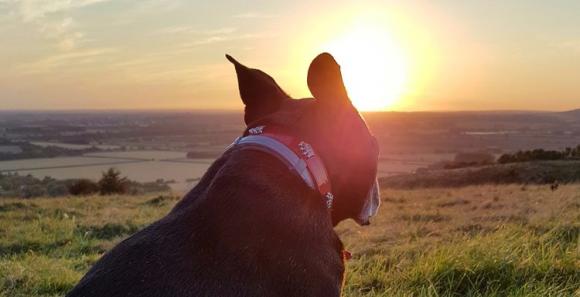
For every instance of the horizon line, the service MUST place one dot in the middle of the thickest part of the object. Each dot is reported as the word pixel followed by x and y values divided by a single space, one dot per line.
pixel 232 110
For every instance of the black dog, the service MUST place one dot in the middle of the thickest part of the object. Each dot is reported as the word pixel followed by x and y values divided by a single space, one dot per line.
pixel 252 227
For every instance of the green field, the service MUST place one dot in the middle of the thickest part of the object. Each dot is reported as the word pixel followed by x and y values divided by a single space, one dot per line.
pixel 507 240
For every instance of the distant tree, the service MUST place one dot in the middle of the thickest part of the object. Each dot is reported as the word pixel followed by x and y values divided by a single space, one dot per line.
pixel 55 189
pixel 576 152
pixel 568 152
pixel 30 191
pixel 83 187
pixel 505 158
pixel 112 183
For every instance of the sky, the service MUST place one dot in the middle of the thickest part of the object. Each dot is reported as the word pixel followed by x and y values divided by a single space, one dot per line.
pixel 395 55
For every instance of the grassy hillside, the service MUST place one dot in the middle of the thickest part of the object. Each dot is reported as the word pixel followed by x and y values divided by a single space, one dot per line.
pixel 475 241
pixel 539 172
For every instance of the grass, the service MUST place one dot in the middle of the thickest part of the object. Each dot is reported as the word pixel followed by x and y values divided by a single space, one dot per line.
pixel 503 240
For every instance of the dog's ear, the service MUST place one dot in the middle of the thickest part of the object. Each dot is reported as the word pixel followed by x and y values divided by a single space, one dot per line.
pixel 325 80
pixel 260 93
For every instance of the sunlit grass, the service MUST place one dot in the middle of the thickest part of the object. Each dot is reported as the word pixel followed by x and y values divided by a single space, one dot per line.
pixel 474 241
pixel 513 261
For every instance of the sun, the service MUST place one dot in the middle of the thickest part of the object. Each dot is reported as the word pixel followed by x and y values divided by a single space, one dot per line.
pixel 373 66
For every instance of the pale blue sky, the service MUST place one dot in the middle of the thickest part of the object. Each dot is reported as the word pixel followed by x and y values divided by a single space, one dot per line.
pixel 110 54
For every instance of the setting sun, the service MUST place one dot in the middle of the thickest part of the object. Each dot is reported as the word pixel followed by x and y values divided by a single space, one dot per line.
pixel 374 67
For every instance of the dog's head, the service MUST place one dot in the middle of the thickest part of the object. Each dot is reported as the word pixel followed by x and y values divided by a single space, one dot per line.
pixel 330 123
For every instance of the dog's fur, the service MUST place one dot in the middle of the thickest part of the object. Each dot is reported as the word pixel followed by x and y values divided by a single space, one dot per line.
pixel 251 227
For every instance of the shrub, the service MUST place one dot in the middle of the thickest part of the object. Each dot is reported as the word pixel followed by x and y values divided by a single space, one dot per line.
pixel 83 187
pixel 112 183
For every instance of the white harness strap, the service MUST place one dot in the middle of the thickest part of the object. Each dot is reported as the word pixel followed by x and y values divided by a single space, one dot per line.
pixel 281 151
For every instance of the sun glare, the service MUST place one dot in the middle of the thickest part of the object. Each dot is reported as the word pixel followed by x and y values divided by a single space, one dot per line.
pixel 374 68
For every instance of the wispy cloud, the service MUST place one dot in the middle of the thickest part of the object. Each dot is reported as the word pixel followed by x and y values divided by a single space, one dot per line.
pixel 224 38
pixel 155 6
pixel 196 31
pixel 175 30
pixel 255 15
pixel 52 17
pixel 570 45
pixel 76 58
pixel 31 10
pixel 209 36
pixel 63 33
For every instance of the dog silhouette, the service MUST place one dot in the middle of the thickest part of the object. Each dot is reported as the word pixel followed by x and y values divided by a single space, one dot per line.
pixel 254 225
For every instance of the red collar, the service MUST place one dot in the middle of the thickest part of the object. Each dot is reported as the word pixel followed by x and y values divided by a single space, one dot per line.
pixel 296 153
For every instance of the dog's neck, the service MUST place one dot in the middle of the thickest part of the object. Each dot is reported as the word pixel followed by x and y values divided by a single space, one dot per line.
pixel 300 157
pixel 241 170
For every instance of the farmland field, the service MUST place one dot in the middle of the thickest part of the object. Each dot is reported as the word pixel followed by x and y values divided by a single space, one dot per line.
pixel 141 166
pixel 488 240
pixel 150 165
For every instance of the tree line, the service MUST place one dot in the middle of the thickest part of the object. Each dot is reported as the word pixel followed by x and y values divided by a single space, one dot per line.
pixel 540 155
pixel 111 182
